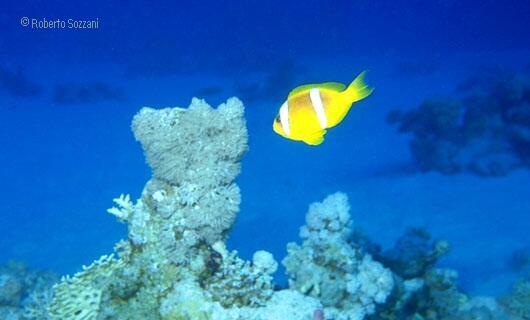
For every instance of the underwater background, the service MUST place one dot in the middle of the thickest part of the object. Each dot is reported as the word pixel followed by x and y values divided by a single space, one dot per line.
pixel 67 97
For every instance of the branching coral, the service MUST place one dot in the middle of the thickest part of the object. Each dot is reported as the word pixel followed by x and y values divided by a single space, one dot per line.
pixel 487 132
pixel 347 282
pixel 125 207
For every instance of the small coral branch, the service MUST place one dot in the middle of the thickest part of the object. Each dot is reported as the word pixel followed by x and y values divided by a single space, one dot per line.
pixel 125 207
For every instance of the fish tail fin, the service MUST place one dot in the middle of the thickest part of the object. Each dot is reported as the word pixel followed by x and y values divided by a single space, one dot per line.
pixel 358 90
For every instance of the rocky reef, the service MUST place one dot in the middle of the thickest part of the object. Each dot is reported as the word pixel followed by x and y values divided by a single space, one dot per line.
pixel 486 132
pixel 174 263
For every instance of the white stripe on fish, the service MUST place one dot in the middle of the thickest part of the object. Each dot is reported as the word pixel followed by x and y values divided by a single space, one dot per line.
pixel 316 101
pixel 284 118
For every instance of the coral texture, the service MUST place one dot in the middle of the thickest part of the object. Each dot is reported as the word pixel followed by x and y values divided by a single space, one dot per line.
pixel 241 283
pixel 194 154
pixel 209 143
pixel 80 296
pixel 347 282
pixel 487 132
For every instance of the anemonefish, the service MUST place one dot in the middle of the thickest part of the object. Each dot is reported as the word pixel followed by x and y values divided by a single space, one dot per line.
pixel 311 109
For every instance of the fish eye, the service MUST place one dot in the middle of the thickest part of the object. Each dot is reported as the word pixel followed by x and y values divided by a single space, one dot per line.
pixel 277 119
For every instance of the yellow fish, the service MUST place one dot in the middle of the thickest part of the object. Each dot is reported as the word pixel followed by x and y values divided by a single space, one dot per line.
pixel 311 109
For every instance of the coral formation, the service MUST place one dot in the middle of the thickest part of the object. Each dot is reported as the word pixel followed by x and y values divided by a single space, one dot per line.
pixel 210 143
pixel 444 296
pixel 236 282
pixel 487 132
pixel 174 264
pixel 24 293
pixel 437 296
pixel 413 254
pixel 198 181
pixel 517 302
pixel 347 282
pixel 335 265
pixel 80 296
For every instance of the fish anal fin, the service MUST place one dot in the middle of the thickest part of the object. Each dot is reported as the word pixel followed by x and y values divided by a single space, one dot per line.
pixel 316 138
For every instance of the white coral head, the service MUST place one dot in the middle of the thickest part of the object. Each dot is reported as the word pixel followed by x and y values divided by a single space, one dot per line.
pixel 264 261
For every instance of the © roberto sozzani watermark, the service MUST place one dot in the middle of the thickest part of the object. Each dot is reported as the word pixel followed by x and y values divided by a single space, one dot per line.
pixel 43 23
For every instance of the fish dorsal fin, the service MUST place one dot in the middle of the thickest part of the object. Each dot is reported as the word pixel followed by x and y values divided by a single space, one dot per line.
pixel 334 86
pixel 301 89
pixel 316 138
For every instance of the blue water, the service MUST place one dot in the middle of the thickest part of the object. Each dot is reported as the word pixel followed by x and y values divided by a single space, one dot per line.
pixel 67 97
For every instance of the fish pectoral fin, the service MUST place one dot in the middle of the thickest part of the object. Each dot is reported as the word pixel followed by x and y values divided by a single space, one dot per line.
pixel 316 138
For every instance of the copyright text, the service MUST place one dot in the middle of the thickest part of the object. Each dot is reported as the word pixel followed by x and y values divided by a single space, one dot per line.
pixel 43 23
